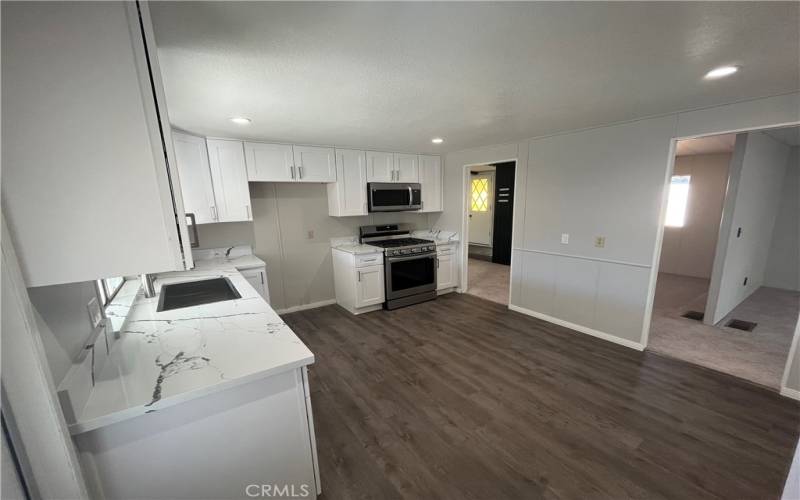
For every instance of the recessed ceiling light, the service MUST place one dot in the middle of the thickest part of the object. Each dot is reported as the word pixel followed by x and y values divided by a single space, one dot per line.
pixel 437 140
pixel 241 120
pixel 721 72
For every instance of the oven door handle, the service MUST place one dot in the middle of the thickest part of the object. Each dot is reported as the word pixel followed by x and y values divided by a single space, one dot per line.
pixel 411 257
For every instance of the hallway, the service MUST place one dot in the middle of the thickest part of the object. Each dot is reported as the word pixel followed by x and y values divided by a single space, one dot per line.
pixel 758 356
pixel 488 280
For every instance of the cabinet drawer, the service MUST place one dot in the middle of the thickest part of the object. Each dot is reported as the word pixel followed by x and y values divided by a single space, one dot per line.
pixel 445 250
pixel 372 259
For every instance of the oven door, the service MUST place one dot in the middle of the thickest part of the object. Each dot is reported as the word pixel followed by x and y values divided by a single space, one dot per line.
pixel 394 197
pixel 410 275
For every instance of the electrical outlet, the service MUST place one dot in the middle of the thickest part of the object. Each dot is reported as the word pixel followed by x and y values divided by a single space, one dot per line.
pixel 600 241
pixel 311 234
pixel 564 238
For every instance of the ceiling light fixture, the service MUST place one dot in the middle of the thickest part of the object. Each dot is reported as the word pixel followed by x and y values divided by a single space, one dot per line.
pixel 721 72
pixel 241 120
pixel 437 140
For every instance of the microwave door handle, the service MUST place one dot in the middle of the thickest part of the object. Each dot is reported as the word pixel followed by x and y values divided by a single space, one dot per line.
pixel 410 196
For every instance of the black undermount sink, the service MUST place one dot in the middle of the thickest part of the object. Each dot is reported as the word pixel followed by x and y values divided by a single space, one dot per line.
pixel 194 293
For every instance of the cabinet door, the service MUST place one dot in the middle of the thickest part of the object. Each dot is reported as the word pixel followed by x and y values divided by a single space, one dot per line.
pixel 269 162
pixel 430 176
pixel 258 280
pixel 369 286
pixel 198 194
pixel 83 157
pixel 380 167
pixel 314 164
pixel 406 168
pixel 229 176
pixel 444 272
pixel 348 196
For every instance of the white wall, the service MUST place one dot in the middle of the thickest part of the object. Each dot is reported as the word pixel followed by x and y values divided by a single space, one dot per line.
pixel 63 322
pixel 783 262
pixel 608 181
pixel 689 250
pixel 757 174
pixel 299 267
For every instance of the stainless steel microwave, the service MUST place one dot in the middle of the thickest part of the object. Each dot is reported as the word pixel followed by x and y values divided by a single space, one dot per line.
pixel 394 196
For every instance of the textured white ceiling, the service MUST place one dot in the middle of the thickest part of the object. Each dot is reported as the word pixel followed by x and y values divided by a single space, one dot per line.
pixel 394 75
pixel 706 145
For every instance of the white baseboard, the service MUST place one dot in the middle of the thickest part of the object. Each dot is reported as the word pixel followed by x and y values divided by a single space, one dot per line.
pixel 790 393
pixel 572 326
pixel 304 307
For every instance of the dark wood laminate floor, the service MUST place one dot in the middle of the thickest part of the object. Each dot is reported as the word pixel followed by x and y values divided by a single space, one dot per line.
pixel 461 398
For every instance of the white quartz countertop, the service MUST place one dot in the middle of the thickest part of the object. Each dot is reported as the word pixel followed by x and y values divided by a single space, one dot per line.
pixel 164 358
pixel 240 263
pixel 359 249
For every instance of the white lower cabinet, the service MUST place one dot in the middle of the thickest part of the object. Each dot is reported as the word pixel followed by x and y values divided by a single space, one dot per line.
pixel 447 268
pixel 258 279
pixel 264 436
pixel 369 286
pixel 359 280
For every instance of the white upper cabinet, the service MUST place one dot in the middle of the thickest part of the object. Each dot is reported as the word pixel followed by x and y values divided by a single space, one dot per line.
pixel 269 162
pixel 229 175
pixel 198 192
pixel 430 177
pixel 406 168
pixel 314 164
pixel 348 195
pixel 380 167
pixel 85 157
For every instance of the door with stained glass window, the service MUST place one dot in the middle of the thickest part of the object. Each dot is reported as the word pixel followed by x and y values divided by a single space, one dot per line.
pixel 481 213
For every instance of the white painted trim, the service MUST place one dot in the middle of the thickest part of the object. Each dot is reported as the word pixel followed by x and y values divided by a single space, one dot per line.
pixel 578 328
pixel 305 307
pixel 29 391
pixel 790 393
pixel 662 217
pixel 583 257
pixel 792 353
pixel 463 282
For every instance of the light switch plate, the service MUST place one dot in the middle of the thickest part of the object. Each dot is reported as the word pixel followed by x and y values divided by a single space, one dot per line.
pixel 600 241
pixel 564 238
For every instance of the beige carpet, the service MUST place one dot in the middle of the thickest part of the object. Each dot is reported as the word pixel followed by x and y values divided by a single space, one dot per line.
pixel 488 280
pixel 758 356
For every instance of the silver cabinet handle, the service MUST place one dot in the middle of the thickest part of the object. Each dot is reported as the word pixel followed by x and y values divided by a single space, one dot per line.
pixel 193 243
pixel 300 172
pixel 214 212
pixel 248 211
pixel 359 276
pixel 291 169
pixel 437 262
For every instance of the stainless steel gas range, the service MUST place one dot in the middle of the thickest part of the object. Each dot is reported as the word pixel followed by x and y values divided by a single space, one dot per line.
pixel 409 264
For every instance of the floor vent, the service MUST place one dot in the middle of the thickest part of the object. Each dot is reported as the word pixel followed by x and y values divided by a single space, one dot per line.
pixel 739 324
pixel 695 315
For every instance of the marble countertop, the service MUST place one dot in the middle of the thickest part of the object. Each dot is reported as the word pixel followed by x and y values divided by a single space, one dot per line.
pixel 240 263
pixel 359 249
pixel 164 358
pixel 438 237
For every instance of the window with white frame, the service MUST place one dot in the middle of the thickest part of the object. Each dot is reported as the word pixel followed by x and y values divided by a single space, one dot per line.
pixel 677 201
pixel 107 288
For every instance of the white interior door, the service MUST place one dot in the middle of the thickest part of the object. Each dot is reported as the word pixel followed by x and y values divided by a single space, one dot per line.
pixel 481 208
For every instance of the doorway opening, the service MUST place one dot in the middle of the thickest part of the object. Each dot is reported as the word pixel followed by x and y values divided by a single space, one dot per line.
pixel 490 213
pixel 727 293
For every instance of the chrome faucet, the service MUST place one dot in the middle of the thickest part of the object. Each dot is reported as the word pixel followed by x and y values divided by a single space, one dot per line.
pixel 148 286
pixel 228 251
